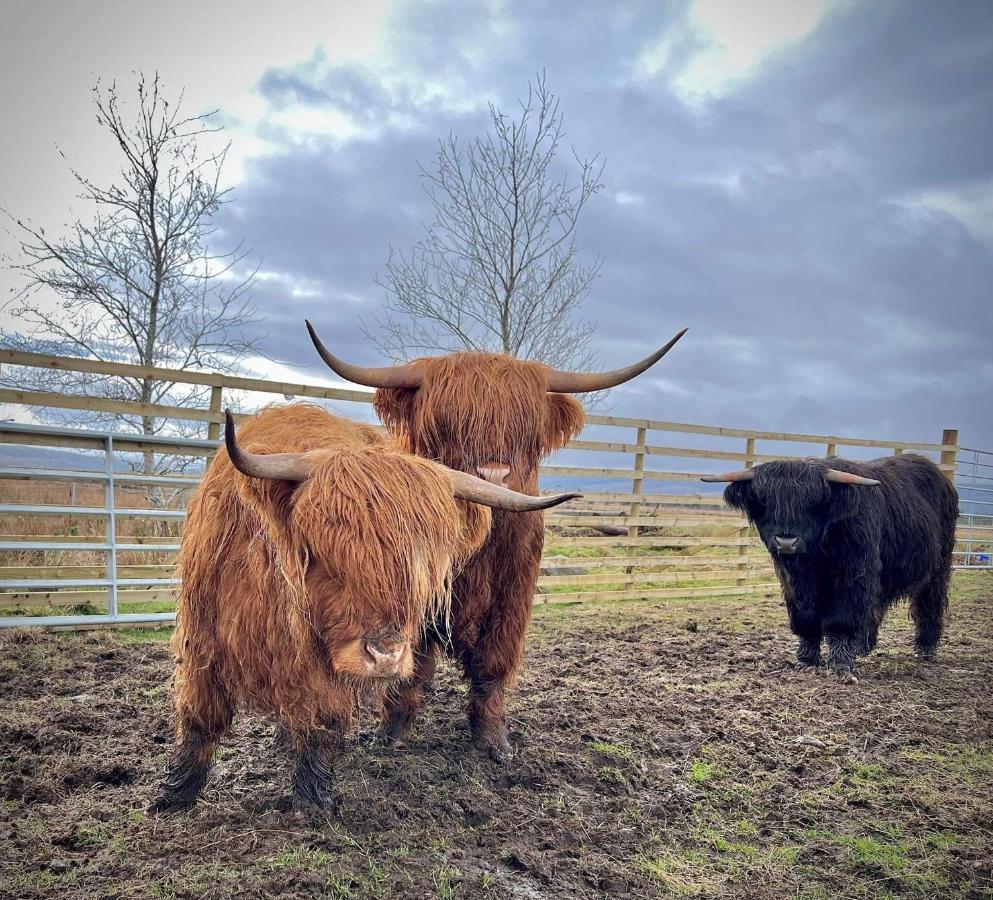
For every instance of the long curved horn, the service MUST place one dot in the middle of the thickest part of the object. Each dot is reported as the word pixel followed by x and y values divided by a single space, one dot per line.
pixel 405 376
pixel 847 478
pixel 579 382
pixel 743 475
pixel 476 490
pixel 274 466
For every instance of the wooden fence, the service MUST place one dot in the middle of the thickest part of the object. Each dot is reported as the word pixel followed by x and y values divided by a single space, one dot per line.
pixel 647 527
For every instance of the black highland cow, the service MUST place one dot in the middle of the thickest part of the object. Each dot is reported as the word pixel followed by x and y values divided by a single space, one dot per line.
pixel 848 539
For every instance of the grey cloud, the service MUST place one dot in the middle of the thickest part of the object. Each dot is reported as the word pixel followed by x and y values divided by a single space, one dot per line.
pixel 773 221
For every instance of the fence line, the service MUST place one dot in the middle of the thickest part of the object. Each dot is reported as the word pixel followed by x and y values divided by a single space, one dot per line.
pixel 974 479
pixel 641 531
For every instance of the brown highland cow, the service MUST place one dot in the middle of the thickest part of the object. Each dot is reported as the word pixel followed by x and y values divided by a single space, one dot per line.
pixel 496 416
pixel 306 572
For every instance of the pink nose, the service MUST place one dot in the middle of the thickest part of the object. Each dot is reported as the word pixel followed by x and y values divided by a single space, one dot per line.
pixel 497 473
pixel 385 653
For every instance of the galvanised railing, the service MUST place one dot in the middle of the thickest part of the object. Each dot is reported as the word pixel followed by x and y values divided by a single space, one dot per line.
pixel 110 512
pixel 974 481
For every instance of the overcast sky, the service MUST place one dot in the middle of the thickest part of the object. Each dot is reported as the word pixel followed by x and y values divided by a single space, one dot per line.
pixel 807 185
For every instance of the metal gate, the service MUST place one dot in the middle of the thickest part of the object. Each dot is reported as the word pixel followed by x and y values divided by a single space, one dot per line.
pixel 974 481
pixel 81 444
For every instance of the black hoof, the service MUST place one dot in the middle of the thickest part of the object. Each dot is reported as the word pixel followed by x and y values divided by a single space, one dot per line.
pixel 167 805
pixel 802 665
pixel 501 753
pixel 326 801
pixel 497 748
pixel 394 734
pixel 845 675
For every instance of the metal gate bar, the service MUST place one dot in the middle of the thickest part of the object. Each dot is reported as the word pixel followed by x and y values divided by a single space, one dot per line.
pixel 974 480
pixel 110 511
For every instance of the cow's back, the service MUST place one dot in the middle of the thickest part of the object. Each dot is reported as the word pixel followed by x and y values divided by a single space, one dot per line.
pixel 918 509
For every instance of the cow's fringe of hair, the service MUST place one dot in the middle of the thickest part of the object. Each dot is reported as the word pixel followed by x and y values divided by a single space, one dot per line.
pixel 476 408
pixel 274 574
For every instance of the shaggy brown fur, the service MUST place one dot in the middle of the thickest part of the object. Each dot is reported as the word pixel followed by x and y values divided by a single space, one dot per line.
pixel 284 585
pixel 473 410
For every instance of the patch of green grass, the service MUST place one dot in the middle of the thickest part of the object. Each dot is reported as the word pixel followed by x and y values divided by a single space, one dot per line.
pixel 614 751
pixel 921 865
pixel 680 877
pixel 49 883
pixel 872 773
pixel 613 775
pixel 336 886
pixel 446 883
pixel 299 858
pixel 146 634
pixel 573 552
pixel 90 834
pixel 158 690
pixel 746 828
pixel 716 840
pixel 702 772
pixel 891 858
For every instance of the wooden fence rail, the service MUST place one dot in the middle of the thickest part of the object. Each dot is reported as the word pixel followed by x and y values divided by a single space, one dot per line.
pixel 646 528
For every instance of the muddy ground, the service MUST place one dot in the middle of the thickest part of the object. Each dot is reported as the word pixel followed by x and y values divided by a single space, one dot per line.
pixel 663 750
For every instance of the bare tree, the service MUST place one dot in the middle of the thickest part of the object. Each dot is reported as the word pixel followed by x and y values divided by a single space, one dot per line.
pixel 498 267
pixel 137 283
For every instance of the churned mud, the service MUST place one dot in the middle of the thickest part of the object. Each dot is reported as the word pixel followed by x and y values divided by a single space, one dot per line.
pixel 663 750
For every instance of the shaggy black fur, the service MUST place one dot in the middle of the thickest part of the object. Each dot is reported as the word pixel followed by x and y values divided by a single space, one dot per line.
pixel 312 784
pixel 185 775
pixel 858 550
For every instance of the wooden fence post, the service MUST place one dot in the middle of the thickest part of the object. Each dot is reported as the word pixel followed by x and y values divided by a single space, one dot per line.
pixel 216 398
pixel 949 438
pixel 636 488
pixel 638 479
pixel 832 449
pixel 742 578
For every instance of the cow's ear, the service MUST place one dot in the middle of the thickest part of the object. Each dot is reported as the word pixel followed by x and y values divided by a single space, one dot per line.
pixel 565 419
pixel 738 495
pixel 395 407
pixel 845 501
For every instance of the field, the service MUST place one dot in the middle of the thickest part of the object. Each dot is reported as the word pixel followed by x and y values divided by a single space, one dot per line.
pixel 664 750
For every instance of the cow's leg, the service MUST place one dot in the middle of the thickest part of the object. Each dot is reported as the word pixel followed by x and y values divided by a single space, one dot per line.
pixel 315 754
pixel 927 608
pixel 846 622
pixel 204 712
pixel 488 711
pixel 493 599
pixel 490 668
pixel 804 608
pixel 317 747
pixel 808 652
pixel 403 700
pixel 806 625
pixel 870 631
